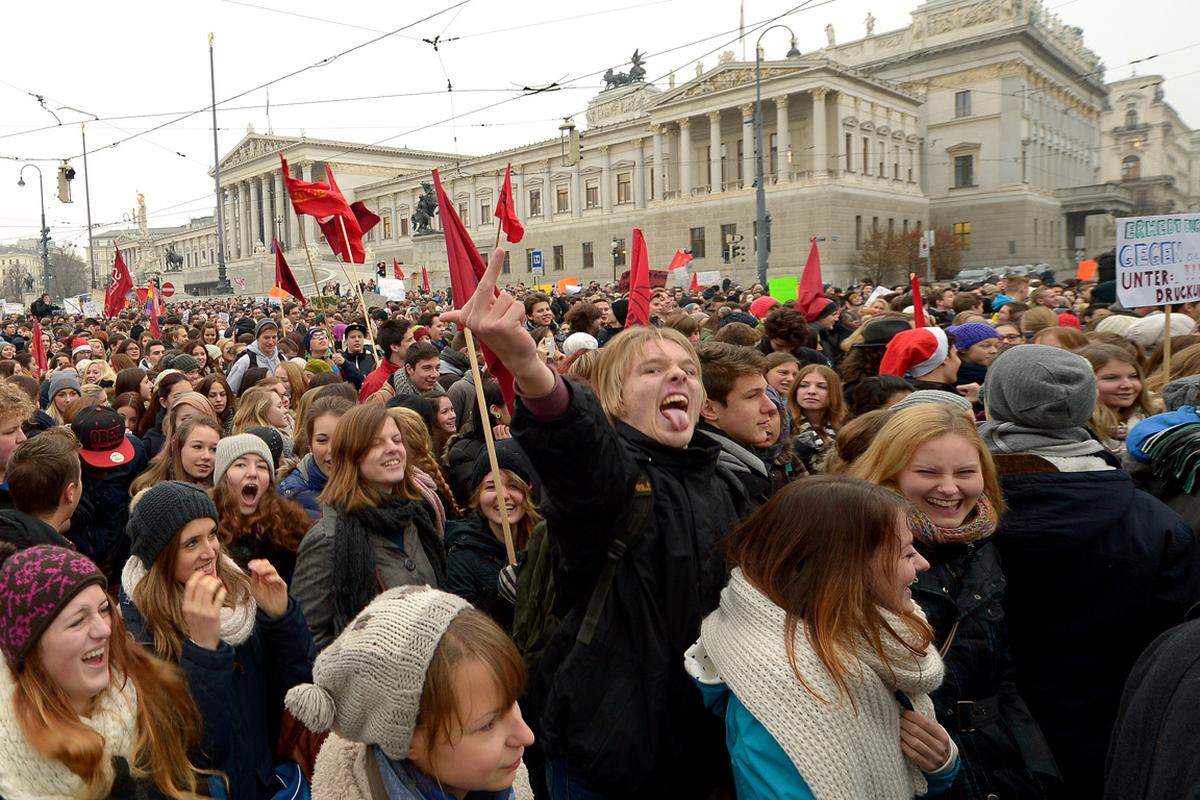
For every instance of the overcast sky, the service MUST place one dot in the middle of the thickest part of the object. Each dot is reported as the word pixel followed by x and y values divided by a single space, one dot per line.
pixel 150 58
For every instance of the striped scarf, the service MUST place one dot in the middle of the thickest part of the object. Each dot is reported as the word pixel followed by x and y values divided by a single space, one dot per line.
pixel 978 527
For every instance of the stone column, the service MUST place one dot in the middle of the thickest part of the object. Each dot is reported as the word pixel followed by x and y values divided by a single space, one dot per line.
pixel 310 226
pixel 518 191
pixel 606 181
pixel 576 191
pixel 685 157
pixel 547 200
pixel 657 187
pixel 228 231
pixel 244 219
pixel 256 215
pixel 639 173
pixel 748 143
pixel 474 198
pixel 714 152
pixel 833 163
pixel 783 140
pixel 819 139
pixel 284 209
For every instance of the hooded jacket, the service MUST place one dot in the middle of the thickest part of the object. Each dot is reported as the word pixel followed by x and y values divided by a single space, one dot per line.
pixel 749 468
pixel 238 370
pixel 453 365
pixel 303 484
pixel 474 558
pixel 24 530
pixel 1096 569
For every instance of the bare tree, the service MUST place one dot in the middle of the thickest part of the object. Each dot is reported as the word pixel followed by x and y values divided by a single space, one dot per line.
pixel 70 275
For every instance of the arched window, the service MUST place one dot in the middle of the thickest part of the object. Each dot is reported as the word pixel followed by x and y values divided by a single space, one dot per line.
pixel 1131 118
pixel 1131 168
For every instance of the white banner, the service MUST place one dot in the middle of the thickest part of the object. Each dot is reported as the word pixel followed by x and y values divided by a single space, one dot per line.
pixel 1158 260
pixel 392 288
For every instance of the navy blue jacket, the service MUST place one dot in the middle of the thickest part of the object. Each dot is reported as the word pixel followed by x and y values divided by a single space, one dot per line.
pixel 303 484
pixel 240 692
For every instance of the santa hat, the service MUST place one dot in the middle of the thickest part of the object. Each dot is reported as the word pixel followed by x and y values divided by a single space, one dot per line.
pixel 818 308
pixel 915 353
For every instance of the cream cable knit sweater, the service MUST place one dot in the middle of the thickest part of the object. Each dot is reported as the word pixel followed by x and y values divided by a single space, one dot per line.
pixel 841 754
pixel 26 775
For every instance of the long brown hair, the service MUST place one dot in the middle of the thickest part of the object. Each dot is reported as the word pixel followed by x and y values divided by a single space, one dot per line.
pixel 524 527
pixel 252 409
pixel 276 520
pixel 810 549
pixel 1104 420
pixel 835 404
pixel 205 386
pixel 168 464
pixel 352 439
pixel 420 453
pixel 168 723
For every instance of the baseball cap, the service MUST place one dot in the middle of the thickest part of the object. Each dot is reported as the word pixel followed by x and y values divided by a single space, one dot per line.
pixel 101 431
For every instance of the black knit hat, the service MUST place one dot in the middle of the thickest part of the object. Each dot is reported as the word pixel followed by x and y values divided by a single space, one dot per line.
pixel 274 440
pixel 511 457
pixel 161 512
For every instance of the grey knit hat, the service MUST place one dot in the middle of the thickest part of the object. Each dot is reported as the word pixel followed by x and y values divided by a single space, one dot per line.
pixel 1183 391
pixel 183 362
pixel 62 380
pixel 231 448
pixel 263 324
pixel 924 396
pixel 1041 387
pixel 161 512
pixel 367 685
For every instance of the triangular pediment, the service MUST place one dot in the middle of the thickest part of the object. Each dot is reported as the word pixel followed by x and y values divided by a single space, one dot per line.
pixel 733 75
pixel 255 145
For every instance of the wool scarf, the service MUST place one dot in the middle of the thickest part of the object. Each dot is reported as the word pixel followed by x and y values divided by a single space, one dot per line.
pixel 980 525
pixel 1009 437
pixel 354 580
pixel 237 623
pixel 25 774
pixel 843 750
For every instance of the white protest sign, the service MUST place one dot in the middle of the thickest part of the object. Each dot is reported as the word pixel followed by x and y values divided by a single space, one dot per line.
pixel 1158 260
pixel 13 308
pixel 678 278
pixel 392 288
pixel 709 278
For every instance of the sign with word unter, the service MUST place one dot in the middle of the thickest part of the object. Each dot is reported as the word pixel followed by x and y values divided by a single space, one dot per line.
pixel 1158 260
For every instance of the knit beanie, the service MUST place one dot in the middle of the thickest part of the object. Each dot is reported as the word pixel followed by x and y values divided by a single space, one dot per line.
pixel 231 448
pixel 739 316
pixel 1181 392
pixel 263 324
pixel 314 365
pixel 915 353
pixel 1041 387
pixel 274 440
pixel 972 333
pixel 61 381
pixel 184 363
pixel 927 396
pixel 762 306
pixel 214 353
pixel 35 585
pixel 158 379
pixel 511 457
pixel 1148 331
pixel 161 512
pixel 818 308
pixel 1116 323
pixel 367 684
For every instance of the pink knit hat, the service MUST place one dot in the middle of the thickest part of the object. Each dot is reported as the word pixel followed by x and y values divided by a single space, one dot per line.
pixel 35 585
pixel 762 306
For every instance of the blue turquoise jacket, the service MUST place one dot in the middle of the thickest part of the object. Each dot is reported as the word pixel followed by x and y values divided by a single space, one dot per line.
pixel 761 769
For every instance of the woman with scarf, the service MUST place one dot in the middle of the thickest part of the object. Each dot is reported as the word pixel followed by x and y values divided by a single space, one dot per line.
pixel 932 455
pixel 818 659
pixel 375 530
pixel 816 409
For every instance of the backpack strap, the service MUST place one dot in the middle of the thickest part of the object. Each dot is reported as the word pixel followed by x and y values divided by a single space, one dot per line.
pixel 635 523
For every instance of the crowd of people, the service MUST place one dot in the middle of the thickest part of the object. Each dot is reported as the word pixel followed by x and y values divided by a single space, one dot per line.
pixel 753 549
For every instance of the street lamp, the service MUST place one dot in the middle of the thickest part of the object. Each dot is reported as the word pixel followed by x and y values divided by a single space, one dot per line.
pixel 760 244
pixel 45 230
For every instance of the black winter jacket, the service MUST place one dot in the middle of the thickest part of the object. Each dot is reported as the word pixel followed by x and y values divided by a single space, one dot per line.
pixel 98 524
pixel 22 530
pixel 460 463
pixel 474 558
pixel 1004 754
pixel 621 711
pixel 1096 569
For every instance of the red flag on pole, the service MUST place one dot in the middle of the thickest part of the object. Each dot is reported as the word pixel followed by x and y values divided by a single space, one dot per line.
pixel 284 278
pixel 679 260
pixel 399 273
pixel 327 204
pixel 811 292
pixel 121 283
pixel 694 286
pixel 39 348
pixel 506 210
pixel 917 301
pixel 639 283
pixel 466 268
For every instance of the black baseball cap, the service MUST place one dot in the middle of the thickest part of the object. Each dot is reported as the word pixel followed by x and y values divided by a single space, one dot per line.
pixel 101 431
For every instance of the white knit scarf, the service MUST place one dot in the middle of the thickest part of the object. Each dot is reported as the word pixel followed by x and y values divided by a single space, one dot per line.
pixel 25 774
pixel 841 753
pixel 237 623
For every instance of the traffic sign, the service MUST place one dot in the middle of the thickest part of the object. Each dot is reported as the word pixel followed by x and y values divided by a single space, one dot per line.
pixel 535 263
pixel 168 289
pixel 923 247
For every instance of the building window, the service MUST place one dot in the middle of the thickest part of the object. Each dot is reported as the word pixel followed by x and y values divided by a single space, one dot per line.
pixel 964 171
pixel 866 154
pixel 849 153
pixel 962 103
pixel 904 226
pixel 911 160
pixel 591 194
pixel 1131 118
pixel 404 226
pixel 728 237
pixel 618 252
pixel 529 259
pixel 589 257
pixel 896 162
pixel 962 234
pixel 891 227
pixel 774 154
pixel 1131 168
pixel 624 188
pixel 507 268
pixel 653 171
pixel 697 239
pixel 562 199
pixel 874 225
pixel 858 232
pixel 1035 232
pixel 535 202
pixel 741 158
pixel 387 223
pixel 882 154
pixel 464 213
pixel 558 258
pixel 485 212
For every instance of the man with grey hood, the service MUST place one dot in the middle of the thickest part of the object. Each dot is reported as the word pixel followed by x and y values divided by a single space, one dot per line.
pixel 262 352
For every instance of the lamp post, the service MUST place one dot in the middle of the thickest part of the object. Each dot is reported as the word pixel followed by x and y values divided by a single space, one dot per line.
pixel 223 286
pixel 760 196
pixel 45 230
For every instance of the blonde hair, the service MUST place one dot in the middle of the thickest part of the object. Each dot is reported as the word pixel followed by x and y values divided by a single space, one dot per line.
pixel 909 428
pixel 419 446
pixel 14 403
pixel 1183 363
pixel 194 400
pixel 1104 420
pixel 252 409
pixel 352 440
pixel 620 355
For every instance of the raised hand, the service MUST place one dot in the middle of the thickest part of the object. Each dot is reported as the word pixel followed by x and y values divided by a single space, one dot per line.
pixel 203 597
pixel 923 741
pixel 499 322
pixel 267 588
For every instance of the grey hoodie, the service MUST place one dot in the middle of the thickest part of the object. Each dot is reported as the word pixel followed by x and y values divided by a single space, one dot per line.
pixel 238 370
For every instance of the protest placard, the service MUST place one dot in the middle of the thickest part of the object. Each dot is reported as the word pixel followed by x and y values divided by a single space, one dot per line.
pixel 1158 260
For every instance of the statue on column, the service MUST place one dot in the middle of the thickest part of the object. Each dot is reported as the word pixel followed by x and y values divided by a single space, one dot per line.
pixel 427 209
pixel 829 35
pixel 870 21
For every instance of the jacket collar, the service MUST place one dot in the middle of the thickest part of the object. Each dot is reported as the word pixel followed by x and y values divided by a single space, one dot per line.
pixel 745 459
pixel 700 453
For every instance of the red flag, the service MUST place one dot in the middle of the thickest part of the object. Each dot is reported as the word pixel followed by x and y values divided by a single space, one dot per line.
pixel 694 286
pixel 639 283
pixel 810 295
pixel 506 210
pixel 114 296
pixel 918 301
pixel 284 278
pixel 680 259
pixel 399 273
pixel 326 202
pixel 466 268
pixel 142 294
pixel 39 349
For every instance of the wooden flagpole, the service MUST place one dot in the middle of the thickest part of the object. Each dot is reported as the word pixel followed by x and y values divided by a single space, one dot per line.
pixel 361 299
pixel 304 246
pixel 1166 364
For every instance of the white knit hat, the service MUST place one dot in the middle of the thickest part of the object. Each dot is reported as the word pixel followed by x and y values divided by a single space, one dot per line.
pixel 367 685
pixel 579 341
pixel 1148 331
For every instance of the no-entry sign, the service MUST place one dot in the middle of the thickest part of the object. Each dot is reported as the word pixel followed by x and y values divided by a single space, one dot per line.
pixel 168 289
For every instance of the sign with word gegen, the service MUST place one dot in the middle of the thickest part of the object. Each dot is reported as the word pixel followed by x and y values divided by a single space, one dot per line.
pixel 1158 260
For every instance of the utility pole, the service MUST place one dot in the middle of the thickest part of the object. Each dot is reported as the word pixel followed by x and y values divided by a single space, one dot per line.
pixel 87 197
pixel 760 194
pixel 45 230
pixel 223 286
